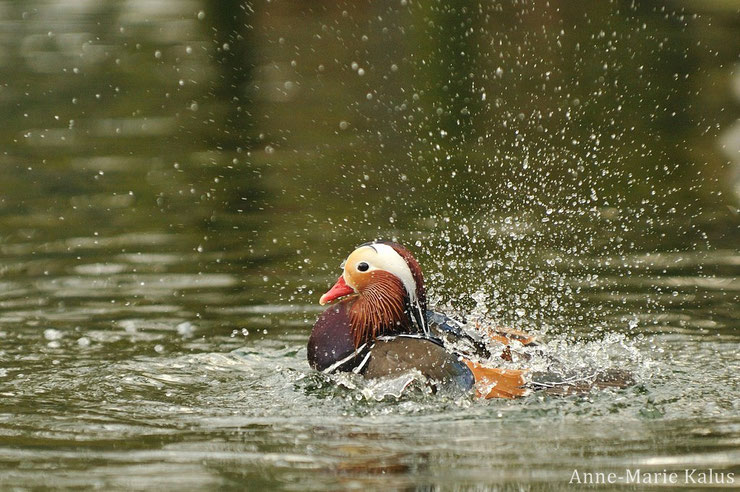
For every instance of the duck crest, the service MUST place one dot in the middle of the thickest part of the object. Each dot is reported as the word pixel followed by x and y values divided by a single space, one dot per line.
pixel 418 307
pixel 413 265
pixel 380 309
pixel 415 272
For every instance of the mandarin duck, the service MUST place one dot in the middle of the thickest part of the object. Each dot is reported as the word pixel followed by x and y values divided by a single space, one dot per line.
pixel 378 325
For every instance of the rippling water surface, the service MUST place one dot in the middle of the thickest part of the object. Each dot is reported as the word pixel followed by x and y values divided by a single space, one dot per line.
pixel 179 181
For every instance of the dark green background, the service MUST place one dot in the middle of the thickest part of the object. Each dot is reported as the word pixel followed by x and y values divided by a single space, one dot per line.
pixel 180 180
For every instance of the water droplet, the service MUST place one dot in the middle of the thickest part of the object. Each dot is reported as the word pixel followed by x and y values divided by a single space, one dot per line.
pixel 52 334
pixel 185 329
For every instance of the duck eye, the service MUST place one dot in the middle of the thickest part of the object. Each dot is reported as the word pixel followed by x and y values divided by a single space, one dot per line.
pixel 362 267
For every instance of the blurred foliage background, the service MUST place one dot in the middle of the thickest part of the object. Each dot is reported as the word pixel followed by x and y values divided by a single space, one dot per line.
pixel 269 138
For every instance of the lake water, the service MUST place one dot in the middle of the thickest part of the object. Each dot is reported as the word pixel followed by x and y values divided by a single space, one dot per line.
pixel 180 180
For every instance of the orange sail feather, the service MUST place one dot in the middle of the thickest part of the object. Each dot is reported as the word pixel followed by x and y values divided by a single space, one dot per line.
pixel 494 382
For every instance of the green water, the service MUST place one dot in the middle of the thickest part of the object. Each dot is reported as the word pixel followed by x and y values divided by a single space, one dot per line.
pixel 179 181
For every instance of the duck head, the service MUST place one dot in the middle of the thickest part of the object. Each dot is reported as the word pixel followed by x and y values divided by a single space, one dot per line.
pixel 384 284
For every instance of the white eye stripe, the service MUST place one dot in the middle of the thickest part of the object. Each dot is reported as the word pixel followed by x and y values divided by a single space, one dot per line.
pixel 389 260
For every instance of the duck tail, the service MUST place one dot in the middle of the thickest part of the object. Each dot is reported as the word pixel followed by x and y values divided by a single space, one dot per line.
pixel 581 384
pixel 494 382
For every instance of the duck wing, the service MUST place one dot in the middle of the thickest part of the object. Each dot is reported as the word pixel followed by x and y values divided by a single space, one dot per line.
pixel 452 332
pixel 474 343
pixel 392 356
